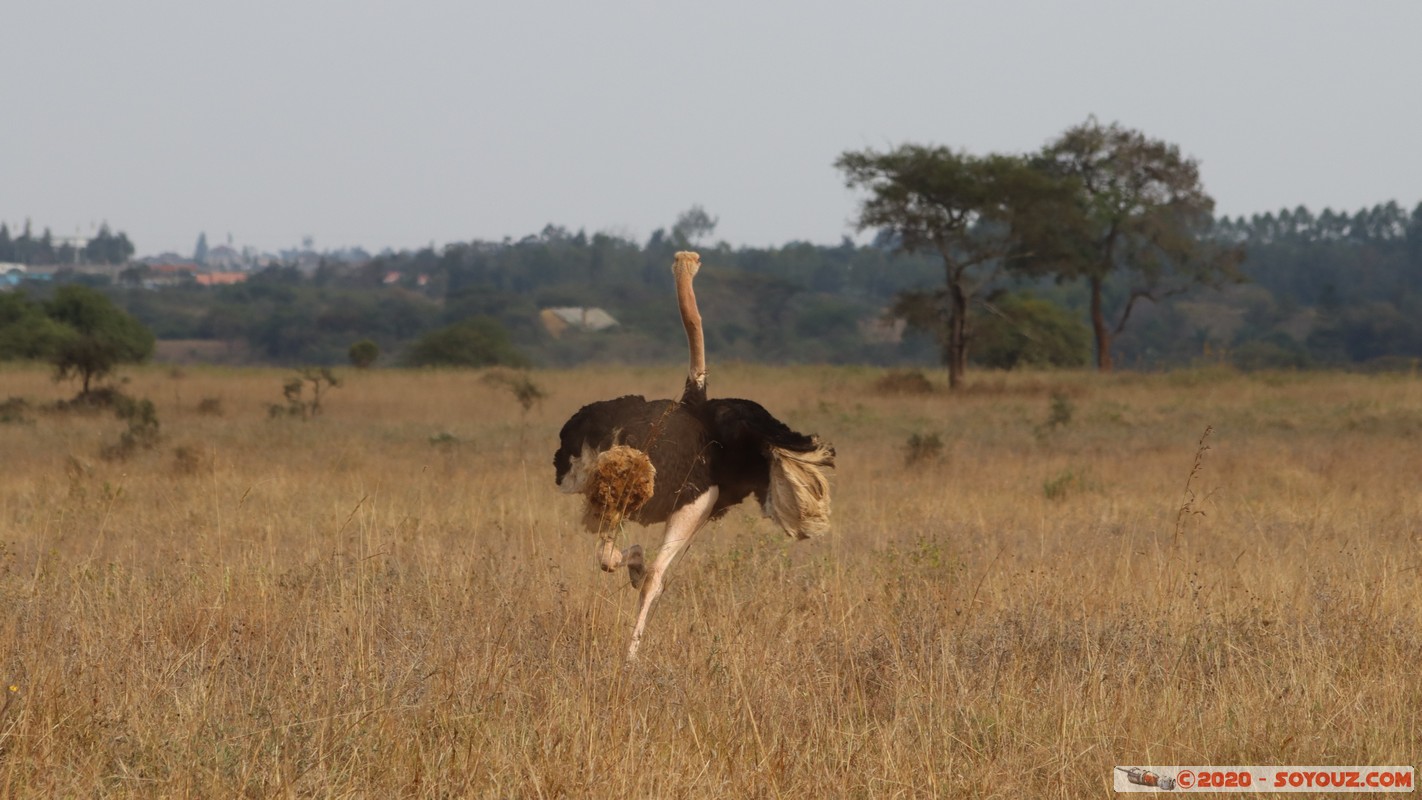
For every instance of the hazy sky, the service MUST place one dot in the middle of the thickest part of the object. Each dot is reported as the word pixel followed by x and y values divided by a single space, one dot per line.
pixel 404 123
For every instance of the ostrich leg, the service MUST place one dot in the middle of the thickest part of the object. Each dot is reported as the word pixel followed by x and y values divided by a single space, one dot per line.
pixel 681 526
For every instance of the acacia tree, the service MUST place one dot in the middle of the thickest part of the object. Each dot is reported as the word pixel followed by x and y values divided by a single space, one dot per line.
pixel 692 225
pixel 1141 212
pixel 979 214
pixel 100 335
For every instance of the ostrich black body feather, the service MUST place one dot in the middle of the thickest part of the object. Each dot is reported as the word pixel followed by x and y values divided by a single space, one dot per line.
pixel 693 444
pixel 674 439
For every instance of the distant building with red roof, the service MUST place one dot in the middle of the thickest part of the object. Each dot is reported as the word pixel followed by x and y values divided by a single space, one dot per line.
pixel 220 278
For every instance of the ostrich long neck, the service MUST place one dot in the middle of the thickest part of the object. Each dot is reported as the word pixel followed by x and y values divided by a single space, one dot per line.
pixel 685 268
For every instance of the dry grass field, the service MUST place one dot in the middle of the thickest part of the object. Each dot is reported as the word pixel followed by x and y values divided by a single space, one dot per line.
pixel 392 599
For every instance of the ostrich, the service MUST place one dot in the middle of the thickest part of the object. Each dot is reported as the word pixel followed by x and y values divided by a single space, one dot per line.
pixel 685 463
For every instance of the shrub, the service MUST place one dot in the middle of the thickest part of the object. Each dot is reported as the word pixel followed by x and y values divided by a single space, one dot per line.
pixel 1066 482
pixel 520 384
pixel 364 353
pixel 187 460
pixel 444 440
pixel 1026 331
pixel 294 390
pixel 475 342
pixel 904 381
pixel 1059 410
pixel 142 432
pixel 13 410
pixel 922 447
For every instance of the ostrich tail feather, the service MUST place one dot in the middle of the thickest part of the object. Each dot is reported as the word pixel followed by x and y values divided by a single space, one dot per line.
pixel 799 494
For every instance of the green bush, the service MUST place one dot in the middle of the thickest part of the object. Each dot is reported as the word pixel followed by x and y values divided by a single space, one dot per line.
pixel 364 353
pixel 475 342
pixel 1024 331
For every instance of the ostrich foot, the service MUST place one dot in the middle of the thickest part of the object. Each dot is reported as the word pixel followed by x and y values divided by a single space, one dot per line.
pixel 609 557
pixel 636 569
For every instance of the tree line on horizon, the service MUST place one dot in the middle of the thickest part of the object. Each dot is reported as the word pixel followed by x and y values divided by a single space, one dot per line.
pixel 1103 245
pixel 105 247
pixel 1311 297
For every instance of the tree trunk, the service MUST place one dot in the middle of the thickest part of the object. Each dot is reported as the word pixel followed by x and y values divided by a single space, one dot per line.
pixel 1100 328
pixel 957 335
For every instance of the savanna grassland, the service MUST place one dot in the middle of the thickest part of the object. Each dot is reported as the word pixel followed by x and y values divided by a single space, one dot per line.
pixel 392 599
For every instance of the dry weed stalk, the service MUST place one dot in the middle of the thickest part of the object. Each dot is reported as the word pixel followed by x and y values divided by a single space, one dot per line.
pixel 1187 505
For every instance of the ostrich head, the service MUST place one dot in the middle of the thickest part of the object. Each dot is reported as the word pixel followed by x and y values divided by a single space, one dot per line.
pixel 687 262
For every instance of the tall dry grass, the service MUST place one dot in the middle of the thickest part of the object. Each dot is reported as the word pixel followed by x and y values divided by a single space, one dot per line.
pixel 393 600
